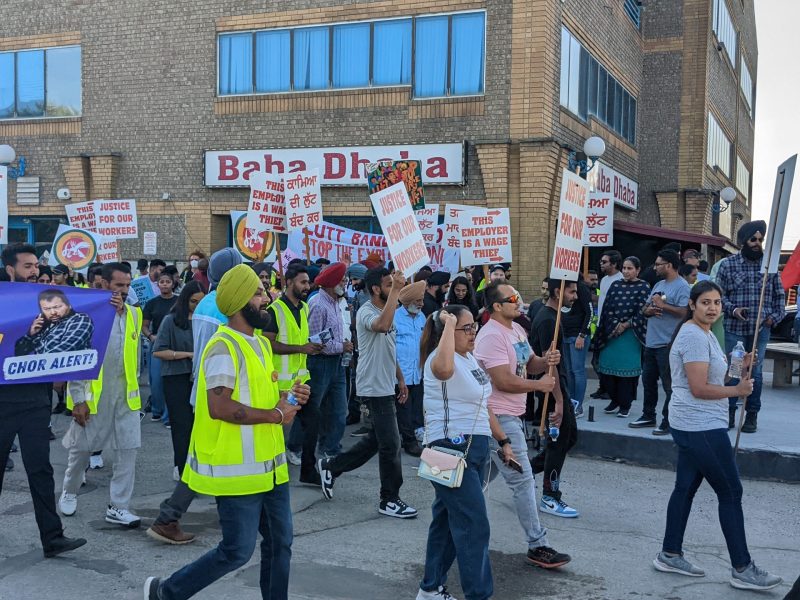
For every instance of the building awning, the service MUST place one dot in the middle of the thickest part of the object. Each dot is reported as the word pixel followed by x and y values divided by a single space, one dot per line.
pixel 671 234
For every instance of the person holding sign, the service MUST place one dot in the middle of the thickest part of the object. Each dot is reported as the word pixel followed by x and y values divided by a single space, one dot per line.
pixel 25 412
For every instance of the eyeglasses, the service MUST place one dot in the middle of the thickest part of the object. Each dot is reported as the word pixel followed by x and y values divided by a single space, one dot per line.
pixel 472 328
pixel 510 300
pixel 756 239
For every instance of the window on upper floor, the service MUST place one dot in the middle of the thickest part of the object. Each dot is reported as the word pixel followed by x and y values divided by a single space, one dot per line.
pixel 718 149
pixel 588 89
pixel 447 51
pixel 746 85
pixel 40 83
pixel 743 179
pixel 633 9
pixel 722 25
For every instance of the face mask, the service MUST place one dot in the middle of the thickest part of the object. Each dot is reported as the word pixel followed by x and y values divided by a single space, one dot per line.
pixel 412 309
pixel 194 264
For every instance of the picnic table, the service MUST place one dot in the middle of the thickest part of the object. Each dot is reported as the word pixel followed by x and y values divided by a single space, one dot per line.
pixel 783 354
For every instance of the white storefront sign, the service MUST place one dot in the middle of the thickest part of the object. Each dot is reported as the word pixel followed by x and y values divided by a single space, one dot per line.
pixel 624 191
pixel 338 166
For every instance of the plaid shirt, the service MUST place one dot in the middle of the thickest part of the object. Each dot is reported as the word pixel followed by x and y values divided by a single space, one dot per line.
pixel 70 333
pixel 324 313
pixel 740 280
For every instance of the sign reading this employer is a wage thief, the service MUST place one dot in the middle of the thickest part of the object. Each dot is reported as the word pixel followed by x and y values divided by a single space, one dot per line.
pixel 485 236
pixel 266 210
pixel 399 225
pixel 303 199
pixel 81 215
pixel 571 223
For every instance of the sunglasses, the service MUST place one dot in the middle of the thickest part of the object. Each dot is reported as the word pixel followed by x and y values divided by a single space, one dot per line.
pixel 755 239
pixel 511 299
pixel 472 329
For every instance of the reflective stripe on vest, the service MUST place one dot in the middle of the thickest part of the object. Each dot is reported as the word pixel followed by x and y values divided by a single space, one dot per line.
pixel 130 359
pixel 226 459
pixel 290 367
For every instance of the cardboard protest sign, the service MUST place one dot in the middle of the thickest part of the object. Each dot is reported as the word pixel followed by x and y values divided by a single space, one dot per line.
pixel 107 250
pixel 52 333
pixel 143 289
pixel 3 205
pixel 443 258
pixel 385 174
pixel 338 244
pixel 599 230
pixel 247 241
pixel 777 218
pixel 75 248
pixel 81 215
pixel 399 225
pixel 150 243
pixel 266 209
pixel 116 218
pixel 485 236
pixel 303 199
pixel 428 221
pixel 452 232
pixel 571 223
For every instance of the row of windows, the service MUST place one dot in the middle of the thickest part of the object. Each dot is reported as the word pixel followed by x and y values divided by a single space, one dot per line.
pixel 723 27
pixel 588 89
pixel 447 53
pixel 742 178
pixel 746 84
pixel 40 83
pixel 633 9
pixel 718 150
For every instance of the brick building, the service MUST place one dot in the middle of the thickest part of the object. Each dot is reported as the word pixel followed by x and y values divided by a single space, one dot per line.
pixel 123 100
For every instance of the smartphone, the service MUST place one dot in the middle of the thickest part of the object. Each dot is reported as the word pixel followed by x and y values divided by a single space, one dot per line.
pixel 511 463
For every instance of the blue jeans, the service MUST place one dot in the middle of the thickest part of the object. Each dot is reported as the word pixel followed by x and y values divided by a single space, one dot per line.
pixel 241 519
pixel 754 400
pixel 460 529
pixel 157 402
pixel 655 366
pixel 707 455
pixel 576 369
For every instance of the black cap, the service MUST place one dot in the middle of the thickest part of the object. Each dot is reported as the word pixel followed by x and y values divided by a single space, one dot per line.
pixel 439 278
pixel 62 269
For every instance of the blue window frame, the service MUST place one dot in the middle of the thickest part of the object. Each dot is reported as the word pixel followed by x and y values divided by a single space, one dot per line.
pixel 633 9
pixel 41 83
pixel 450 49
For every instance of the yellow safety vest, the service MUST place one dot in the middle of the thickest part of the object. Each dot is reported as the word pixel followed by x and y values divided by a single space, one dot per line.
pixel 237 460
pixel 290 367
pixel 130 359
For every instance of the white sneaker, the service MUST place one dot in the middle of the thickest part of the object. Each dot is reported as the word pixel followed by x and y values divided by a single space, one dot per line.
pixel 176 474
pixel 440 594
pixel 68 504
pixel 96 462
pixel 122 516
pixel 559 508
pixel 294 458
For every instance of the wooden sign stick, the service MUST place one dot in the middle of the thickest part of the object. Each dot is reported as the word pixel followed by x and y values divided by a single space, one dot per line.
pixel 307 243
pixel 280 258
pixel 553 346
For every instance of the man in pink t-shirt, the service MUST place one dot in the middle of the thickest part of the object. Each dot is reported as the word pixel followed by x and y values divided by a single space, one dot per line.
pixel 503 350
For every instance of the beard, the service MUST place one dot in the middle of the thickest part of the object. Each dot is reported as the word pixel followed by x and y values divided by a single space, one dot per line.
pixel 440 296
pixel 255 317
pixel 752 253
pixel 383 296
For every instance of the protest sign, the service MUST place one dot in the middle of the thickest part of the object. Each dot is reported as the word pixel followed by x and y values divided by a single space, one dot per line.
pixel 443 258
pixel 44 258
pixel 777 218
pixel 452 232
pixel 150 243
pixel 107 250
pixel 599 230
pixel 571 223
pixel 303 199
pixel 81 215
pixel 3 204
pixel 52 333
pixel 266 209
pixel 399 225
pixel 385 174
pixel 247 241
pixel 428 221
pixel 338 244
pixel 485 236
pixel 75 248
pixel 142 287
pixel 116 218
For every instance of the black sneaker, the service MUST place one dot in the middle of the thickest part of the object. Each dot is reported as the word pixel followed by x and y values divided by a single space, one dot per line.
pixel 413 448
pixel 547 558
pixel 151 588
pixel 750 423
pixel 397 508
pixel 360 432
pixel 326 478
pixel 62 544
pixel 311 478
pixel 624 413
pixel 642 422
pixel 599 394
pixel 662 429
pixel 611 408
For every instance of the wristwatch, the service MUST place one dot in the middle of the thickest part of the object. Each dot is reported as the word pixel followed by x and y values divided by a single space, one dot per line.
pixel 504 441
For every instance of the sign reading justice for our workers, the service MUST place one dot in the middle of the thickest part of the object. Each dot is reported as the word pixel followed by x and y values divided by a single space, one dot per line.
pixel 571 223
pixel 399 225
pixel 266 210
pixel 485 236
pixel 116 218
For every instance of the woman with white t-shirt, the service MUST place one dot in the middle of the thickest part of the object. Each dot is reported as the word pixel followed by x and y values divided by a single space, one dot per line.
pixel 698 419
pixel 457 416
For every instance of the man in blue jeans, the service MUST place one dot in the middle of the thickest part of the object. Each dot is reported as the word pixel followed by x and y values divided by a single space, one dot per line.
pixel 665 310
pixel 740 278
pixel 575 326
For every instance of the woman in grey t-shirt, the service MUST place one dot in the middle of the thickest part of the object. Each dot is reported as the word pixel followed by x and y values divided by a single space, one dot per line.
pixel 698 416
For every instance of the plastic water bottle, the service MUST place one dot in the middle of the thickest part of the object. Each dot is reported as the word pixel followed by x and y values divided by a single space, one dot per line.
pixel 554 432
pixel 737 359
pixel 290 399
pixel 346 358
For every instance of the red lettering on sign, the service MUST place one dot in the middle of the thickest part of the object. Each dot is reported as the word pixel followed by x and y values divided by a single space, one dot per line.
pixel 228 170
pixel 335 165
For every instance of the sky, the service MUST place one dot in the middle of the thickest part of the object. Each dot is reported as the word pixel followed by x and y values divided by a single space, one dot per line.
pixel 777 93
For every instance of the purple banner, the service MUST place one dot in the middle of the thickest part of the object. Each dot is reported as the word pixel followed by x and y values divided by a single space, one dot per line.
pixel 52 333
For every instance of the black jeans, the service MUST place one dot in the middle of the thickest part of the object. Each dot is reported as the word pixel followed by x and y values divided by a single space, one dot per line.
pixel 177 391
pixel 621 390
pixel 409 414
pixel 551 461
pixel 31 424
pixel 383 439
pixel 655 366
